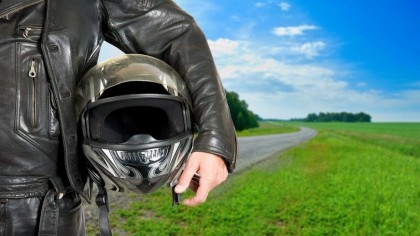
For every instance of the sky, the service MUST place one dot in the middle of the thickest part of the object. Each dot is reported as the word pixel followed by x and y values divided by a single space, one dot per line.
pixel 287 59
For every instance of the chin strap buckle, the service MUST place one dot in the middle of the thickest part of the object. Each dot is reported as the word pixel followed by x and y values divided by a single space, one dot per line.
pixel 102 198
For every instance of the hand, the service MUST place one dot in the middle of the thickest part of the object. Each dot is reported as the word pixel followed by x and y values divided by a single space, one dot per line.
pixel 212 171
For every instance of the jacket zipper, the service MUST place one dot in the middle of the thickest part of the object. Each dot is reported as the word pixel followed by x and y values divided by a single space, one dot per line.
pixel 18 8
pixel 26 30
pixel 33 72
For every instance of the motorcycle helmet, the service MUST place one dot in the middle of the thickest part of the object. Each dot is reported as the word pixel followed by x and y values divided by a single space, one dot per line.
pixel 134 112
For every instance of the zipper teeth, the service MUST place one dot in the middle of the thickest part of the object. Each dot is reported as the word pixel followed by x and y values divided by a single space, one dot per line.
pixel 32 74
pixel 34 108
pixel 15 9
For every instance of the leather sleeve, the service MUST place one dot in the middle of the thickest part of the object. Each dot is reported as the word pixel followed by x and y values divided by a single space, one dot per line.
pixel 161 29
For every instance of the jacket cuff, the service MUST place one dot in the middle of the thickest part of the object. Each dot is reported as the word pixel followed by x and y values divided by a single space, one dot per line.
pixel 228 152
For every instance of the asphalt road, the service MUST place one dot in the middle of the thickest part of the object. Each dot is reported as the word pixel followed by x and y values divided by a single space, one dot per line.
pixel 257 148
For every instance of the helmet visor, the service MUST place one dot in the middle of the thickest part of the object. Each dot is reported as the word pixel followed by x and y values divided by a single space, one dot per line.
pixel 136 119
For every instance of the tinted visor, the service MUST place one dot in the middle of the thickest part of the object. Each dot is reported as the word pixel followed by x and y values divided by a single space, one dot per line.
pixel 119 119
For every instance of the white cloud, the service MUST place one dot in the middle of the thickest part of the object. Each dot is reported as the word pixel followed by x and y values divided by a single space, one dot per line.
pixel 295 51
pixel 310 49
pixel 293 30
pixel 264 3
pixel 260 4
pixel 223 46
pixel 240 59
pixel 274 88
pixel 284 6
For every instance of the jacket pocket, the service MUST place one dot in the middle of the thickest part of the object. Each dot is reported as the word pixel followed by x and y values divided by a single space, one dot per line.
pixel 36 117
pixel 32 93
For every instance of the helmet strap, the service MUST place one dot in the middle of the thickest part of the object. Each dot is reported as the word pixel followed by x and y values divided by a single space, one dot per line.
pixel 176 197
pixel 103 207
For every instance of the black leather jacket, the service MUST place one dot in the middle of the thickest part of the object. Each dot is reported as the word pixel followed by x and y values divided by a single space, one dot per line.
pixel 71 36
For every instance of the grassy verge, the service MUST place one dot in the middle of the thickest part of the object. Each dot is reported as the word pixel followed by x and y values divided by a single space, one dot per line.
pixel 340 183
pixel 269 128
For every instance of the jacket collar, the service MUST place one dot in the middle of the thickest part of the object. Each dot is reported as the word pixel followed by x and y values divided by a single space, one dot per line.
pixel 9 7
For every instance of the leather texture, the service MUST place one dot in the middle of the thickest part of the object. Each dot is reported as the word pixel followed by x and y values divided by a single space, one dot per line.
pixel 34 205
pixel 29 137
pixel 69 37
pixel 21 216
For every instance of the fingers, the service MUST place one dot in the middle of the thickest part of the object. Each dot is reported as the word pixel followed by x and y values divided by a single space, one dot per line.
pixel 200 195
pixel 195 183
pixel 212 170
pixel 186 176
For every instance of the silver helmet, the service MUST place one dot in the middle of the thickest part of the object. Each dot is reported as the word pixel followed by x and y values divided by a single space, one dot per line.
pixel 134 115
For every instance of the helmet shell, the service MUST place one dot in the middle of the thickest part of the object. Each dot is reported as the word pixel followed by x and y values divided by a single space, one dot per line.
pixel 134 115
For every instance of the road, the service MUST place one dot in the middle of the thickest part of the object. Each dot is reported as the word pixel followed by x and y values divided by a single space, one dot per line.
pixel 257 148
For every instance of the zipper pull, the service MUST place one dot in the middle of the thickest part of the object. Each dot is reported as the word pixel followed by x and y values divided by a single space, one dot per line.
pixel 26 31
pixel 32 69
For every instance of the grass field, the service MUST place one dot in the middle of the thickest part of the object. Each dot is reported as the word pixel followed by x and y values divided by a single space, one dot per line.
pixel 269 128
pixel 352 179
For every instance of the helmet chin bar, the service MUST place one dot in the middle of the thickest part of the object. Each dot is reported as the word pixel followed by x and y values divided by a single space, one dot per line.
pixel 141 170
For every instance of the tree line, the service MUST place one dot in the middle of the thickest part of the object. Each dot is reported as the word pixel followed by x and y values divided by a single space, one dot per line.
pixel 242 117
pixel 338 117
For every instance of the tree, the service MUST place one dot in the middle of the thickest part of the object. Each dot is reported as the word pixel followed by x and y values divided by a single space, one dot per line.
pixel 311 117
pixel 363 117
pixel 338 117
pixel 241 116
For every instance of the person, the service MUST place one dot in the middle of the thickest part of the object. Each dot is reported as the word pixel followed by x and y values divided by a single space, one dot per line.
pixel 45 48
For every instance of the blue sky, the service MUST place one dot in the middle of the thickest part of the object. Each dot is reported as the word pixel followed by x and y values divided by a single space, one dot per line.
pixel 290 58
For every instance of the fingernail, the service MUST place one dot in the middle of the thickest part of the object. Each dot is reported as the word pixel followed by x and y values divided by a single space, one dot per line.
pixel 179 188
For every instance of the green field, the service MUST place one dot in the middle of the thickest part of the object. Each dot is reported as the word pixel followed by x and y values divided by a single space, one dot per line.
pixel 351 179
pixel 269 128
pixel 396 130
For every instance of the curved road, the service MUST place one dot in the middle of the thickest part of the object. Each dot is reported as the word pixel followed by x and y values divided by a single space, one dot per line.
pixel 257 148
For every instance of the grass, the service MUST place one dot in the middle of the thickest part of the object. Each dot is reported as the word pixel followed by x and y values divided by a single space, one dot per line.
pixel 400 137
pixel 345 181
pixel 395 129
pixel 268 128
